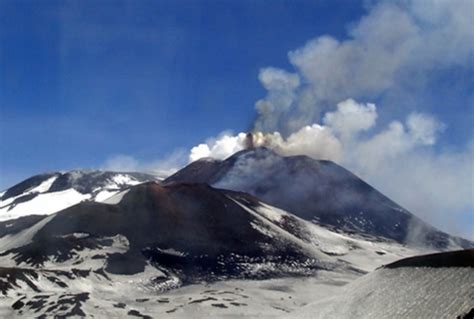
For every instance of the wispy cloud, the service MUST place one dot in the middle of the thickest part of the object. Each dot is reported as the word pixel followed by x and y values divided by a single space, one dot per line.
pixel 161 167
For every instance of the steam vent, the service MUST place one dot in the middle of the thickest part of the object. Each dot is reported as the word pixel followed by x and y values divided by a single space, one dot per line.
pixel 249 141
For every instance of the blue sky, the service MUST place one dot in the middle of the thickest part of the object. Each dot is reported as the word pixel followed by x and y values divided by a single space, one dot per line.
pixel 83 80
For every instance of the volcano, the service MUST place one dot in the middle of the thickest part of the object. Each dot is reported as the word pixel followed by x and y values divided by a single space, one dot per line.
pixel 319 191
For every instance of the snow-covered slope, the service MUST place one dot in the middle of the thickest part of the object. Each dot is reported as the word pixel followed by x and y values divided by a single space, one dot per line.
pixel 48 193
pixel 363 253
pixel 433 286
pixel 119 255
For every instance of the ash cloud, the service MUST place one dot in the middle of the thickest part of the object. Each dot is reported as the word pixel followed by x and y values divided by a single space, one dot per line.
pixel 389 54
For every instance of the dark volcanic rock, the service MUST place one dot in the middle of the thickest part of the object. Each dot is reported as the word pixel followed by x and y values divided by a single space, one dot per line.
pixel 29 183
pixel 12 227
pixel 459 258
pixel 12 276
pixel 60 248
pixel 316 190
pixel 467 315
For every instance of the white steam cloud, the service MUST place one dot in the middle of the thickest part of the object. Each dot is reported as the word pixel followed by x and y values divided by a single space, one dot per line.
pixel 219 148
pixel 388 57
pixel 316 141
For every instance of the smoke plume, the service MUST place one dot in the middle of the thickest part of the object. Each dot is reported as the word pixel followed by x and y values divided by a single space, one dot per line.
pixel 389 54
pixel 319 109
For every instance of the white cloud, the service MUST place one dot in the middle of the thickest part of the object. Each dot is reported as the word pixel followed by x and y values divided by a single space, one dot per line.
pixel 219 148
pixel 424 128
pixel 351 118
pixel 315 141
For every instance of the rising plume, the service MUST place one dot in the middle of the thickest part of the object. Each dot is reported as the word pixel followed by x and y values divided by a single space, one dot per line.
pixel 324 107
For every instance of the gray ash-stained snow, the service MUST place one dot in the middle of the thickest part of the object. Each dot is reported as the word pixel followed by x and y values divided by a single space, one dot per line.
pixel 428 286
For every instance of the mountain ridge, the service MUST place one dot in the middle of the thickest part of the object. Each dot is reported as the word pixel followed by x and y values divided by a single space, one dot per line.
pixel 47 193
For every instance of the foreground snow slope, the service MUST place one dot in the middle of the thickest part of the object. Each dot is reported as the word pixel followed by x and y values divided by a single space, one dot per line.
pixel 128 295
pixel 386 293
pixel 423 287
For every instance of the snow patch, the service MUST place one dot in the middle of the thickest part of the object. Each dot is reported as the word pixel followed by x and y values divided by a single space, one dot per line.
pixel 409 292
pixel 101 196
pixel 24 237
pixel 271 213
pixel 43 187
pixel 172 252
pixel 43 204
pixel 122 179
pixel 75 235
pixel 117 198
pixel 261 229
